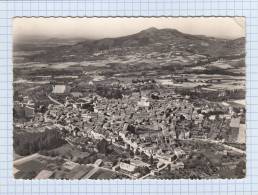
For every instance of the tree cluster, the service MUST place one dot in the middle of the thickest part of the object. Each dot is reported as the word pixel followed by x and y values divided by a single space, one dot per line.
pixel 109 92
pixel 29 143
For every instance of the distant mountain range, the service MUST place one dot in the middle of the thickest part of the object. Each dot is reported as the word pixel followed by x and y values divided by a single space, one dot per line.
pixel 149 40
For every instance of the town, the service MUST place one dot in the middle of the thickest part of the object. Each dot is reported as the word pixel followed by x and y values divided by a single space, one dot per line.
pixel 87 121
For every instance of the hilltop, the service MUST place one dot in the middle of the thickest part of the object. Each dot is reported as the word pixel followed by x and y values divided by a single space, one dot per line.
pixel 149 40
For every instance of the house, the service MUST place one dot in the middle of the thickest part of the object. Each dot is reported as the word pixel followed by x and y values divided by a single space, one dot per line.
pixel 139 163
pixel 212 117
pixel 235 122
pixel 164 158
pixel 127 167
pixel 125 127
pixel 178 165
pixel 70 165
pixel 60 89
pixel 242 134
pixel 143 102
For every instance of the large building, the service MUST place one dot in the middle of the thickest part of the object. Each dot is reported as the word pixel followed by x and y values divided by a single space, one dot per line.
pixel 127 167
pixel 143 102
pixel 60 89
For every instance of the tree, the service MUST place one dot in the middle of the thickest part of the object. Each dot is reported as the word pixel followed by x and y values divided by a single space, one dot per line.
pixel 151 160
pixel 102 146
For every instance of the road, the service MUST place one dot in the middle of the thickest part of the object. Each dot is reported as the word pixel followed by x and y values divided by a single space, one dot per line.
pixel 95 169
pixel 157 170
pixel 53 100
pixel 92 172
pixel 25 159
pixel 219 143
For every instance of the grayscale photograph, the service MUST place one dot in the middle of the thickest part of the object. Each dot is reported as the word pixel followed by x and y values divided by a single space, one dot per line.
pixel 129 98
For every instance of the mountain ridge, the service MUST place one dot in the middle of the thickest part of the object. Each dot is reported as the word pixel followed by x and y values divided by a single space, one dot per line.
pixel 148 39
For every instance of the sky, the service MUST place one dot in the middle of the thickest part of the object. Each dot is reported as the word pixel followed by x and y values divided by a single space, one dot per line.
pixel 97 28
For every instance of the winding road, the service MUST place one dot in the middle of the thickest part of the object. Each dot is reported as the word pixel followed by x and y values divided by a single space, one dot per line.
pixel 53 100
